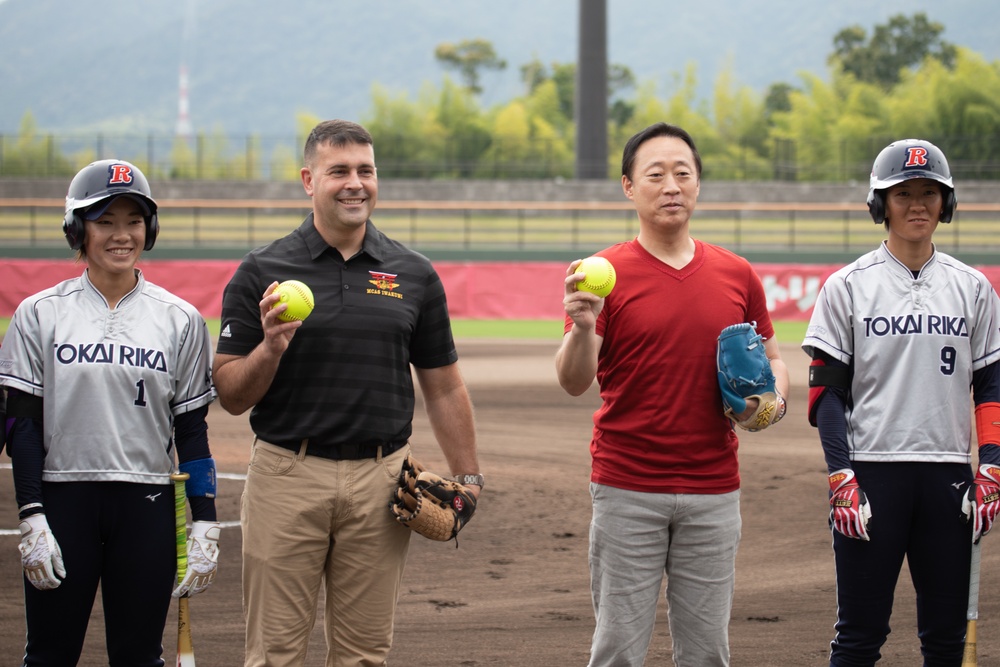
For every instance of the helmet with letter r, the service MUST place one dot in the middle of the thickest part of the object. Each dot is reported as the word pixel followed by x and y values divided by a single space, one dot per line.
pixel 94 188
pixel 906 159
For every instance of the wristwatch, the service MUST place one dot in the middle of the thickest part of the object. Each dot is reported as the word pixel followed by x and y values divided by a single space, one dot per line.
pixel 466 480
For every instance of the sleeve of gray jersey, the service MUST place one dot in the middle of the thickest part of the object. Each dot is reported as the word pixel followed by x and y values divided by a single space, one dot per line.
pixel 985 333
pixel 194 367
pixel 829 327
pixel 22 363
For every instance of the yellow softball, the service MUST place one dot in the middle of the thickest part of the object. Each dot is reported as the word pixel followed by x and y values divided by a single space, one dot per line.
pixel 600 276
pixel 299 298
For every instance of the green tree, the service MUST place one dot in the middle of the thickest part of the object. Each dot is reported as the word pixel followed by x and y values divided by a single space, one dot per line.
pixel 620 80
pixel 685 110
pixel 648 108
pixel 407 138
pixel 777 99
pixel 832 126
pixel 533 74
pixel 680 108
pixel 469 58
pixel 564 76
pixel 531 136
pixel 284 163
pixel 901 43
pixel 184 163
pixel 960 105
pixel 467 136
pixel 31 153
pixel 742 129
pixel 546 102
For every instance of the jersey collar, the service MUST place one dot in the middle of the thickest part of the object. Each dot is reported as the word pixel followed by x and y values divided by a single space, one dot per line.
pixel 317 245
pixel 902 268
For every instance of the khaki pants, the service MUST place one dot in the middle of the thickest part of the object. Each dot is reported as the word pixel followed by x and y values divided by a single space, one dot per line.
pixel 309 521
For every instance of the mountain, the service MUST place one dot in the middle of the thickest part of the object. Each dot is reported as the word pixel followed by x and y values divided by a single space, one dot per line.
pixel 101 66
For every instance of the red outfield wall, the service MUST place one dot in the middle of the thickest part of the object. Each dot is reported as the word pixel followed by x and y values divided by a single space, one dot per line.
pixel 476 290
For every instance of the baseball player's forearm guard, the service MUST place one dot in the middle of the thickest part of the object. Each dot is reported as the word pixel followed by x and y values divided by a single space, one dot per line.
pixel 202 482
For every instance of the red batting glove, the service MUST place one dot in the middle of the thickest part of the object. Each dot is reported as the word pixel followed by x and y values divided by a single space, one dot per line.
pixel 982 503
pixel 849 509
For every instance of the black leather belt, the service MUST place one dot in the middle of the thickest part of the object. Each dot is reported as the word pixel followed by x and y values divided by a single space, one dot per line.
pixel 343 451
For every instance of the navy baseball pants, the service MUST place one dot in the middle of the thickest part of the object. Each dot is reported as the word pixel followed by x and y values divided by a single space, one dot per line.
pixel 122 536
pixel 916 514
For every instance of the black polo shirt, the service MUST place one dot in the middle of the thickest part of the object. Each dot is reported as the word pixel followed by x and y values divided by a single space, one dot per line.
pixel 345 378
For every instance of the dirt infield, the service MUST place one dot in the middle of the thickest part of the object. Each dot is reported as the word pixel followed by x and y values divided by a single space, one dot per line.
pixel 516 591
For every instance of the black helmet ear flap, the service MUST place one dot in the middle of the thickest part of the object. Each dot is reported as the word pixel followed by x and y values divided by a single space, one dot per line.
pixel 73 229
pixel 152 229
pixel 876 206
pixel 949 206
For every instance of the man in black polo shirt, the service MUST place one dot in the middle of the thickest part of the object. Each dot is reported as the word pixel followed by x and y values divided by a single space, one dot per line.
pixel 332 401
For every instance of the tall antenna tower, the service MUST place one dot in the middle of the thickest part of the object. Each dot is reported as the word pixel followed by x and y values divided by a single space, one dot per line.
pixel 184 128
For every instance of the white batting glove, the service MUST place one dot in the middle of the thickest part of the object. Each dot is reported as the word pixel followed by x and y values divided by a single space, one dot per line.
pixel 41 556
pixel 202 559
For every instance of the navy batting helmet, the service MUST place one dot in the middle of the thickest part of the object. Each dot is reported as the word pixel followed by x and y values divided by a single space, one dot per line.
pixel 94 188
pixel 906 159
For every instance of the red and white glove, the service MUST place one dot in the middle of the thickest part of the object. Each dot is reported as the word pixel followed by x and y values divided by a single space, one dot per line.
pixel 982 502
pixel 202 559
pixel 849 508
pixel 41 556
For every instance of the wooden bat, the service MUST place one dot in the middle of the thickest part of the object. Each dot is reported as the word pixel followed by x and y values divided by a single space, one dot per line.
pixel 969 658
pixel 185 650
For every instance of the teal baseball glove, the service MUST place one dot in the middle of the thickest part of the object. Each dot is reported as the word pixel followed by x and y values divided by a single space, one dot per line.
pixel 745 376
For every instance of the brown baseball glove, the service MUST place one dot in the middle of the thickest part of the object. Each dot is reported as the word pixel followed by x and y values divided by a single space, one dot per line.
pixel 435 507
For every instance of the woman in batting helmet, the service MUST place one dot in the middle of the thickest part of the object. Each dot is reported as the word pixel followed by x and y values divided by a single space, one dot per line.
pixel 108 379
pixel 94 188
pixel 897 339
pixel 903 160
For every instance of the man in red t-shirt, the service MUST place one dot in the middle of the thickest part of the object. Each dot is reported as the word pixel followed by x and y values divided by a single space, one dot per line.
pixel 665 481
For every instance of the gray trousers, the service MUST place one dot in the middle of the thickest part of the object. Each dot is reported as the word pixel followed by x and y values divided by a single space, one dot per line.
pixel 637 538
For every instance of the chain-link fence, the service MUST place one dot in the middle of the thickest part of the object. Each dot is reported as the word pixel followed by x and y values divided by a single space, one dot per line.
pixel 262 157
pixel 790 231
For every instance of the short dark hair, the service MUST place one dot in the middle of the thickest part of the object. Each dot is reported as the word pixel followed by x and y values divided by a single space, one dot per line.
pixel 336 133
pixel 656 130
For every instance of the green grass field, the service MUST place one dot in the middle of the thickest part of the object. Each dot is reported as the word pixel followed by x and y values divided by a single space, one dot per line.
pixel 787 332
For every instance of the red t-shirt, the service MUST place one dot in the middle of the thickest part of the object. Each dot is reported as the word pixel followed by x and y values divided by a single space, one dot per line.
pixel 660 427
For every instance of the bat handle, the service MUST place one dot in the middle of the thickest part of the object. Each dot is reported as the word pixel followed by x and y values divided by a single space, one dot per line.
pixel 185 650
pixel 180 520
pixel 969 657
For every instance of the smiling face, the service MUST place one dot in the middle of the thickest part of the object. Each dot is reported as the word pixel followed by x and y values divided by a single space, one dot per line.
pixel 913 210
pixel 114 240
pixel 343 184
pixel 663 184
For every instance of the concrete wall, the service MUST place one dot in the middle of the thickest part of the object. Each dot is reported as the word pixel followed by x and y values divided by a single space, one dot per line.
pixel 987 192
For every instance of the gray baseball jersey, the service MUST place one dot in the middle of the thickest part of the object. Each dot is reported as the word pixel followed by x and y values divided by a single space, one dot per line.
pixel 914 344
pixel 111 380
